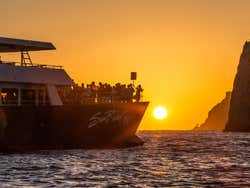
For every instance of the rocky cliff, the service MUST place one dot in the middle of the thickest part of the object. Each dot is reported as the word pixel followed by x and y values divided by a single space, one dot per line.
pixel 239 112
pixel 217 116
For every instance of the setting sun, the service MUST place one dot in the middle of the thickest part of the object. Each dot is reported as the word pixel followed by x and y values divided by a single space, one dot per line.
pixel 160 113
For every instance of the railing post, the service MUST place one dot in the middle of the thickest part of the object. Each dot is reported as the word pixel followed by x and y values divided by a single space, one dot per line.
pixel 1 96
pixel 36 97
pixel 19 97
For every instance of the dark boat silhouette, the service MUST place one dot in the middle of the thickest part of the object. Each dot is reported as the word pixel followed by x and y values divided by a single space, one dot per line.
pixel 33 115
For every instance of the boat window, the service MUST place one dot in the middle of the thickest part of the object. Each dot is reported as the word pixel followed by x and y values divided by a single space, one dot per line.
pixel 28 97
pixel 9 96
pixel 43 97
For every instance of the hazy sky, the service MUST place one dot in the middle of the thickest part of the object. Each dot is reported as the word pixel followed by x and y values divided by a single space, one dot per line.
pixel 186 52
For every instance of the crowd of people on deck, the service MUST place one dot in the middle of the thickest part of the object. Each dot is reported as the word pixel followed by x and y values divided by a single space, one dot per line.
pixel 102 93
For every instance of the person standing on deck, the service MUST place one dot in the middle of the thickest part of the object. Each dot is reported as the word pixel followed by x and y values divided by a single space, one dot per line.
pixel 139 90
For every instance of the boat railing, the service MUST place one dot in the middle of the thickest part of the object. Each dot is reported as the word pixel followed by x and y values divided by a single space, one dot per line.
pixel 10 102
pixel 33 65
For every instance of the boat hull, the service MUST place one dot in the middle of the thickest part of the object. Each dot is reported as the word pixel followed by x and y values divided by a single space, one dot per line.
pixel 70 126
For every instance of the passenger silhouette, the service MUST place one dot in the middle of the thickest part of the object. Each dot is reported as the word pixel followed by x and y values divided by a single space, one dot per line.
pixel 101 93
pixel 139 90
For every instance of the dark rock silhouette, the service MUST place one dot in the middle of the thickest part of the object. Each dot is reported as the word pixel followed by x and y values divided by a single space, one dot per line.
pixel 239 112
pixel 217 116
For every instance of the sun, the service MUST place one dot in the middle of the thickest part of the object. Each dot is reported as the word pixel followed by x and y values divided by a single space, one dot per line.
pixel 160 113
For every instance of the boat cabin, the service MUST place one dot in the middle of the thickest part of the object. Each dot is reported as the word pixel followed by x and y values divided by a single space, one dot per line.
pixel 26 83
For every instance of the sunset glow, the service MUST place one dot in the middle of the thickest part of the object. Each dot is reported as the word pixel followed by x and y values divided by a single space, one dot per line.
pixel 181 52
pixel 125 93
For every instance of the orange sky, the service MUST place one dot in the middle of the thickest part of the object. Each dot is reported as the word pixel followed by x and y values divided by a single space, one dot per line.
pixel 185 51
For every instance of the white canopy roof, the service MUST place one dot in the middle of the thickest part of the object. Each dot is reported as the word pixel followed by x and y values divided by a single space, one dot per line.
pixel 34 75
pixel 19 45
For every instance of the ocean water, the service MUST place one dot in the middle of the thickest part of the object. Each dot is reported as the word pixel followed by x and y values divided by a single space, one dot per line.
pixel 168 159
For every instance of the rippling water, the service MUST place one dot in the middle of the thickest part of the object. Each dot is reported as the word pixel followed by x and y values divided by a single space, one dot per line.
pixel 169 158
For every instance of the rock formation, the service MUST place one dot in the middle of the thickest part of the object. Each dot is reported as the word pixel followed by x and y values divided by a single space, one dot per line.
pixel 239 112
pixel 217 116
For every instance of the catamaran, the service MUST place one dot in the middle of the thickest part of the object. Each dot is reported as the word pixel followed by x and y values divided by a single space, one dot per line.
pixel 34 115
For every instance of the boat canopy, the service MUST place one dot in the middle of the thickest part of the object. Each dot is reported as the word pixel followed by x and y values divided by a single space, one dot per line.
pixel 34 75
pixel 19 45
